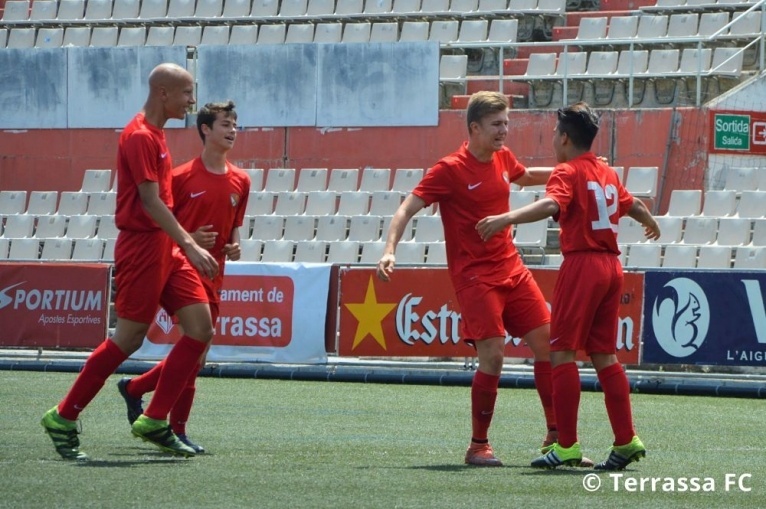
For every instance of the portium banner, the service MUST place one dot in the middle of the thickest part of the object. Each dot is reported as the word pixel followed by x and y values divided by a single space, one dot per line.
pixel 416 314
pixel 54 305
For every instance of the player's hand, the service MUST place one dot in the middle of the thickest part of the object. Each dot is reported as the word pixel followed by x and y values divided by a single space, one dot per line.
pixel 386 267
pixel 603 159
pixel 491 225
pixel 204 237
pixel 232 251
pixel 202 261
pixel 652 231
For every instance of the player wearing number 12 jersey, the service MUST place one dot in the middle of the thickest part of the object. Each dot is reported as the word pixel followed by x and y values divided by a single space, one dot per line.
pixel 584 195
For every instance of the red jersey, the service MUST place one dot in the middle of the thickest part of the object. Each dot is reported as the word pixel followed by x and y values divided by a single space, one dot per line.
pixel 203 198
pixel 469 190
pixel 142 155
pixel 591 201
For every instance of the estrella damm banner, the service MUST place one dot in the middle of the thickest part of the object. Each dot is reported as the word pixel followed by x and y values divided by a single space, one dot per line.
pixel 416 314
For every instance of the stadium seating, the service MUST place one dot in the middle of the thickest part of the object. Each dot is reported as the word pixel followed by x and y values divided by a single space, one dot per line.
pixel 50 227
pixel 343 252
pixel 332 228
pixel 371 252
pixel 251 250
pixel 312 179
pixel 278 251
pixel 733 231
pixel 720 203
pixel 42 203
pixel 19 226
pixel 436 254
pixel 680 256
pixel 88 250
pixel 714 257
pixel 644 256
pixel 750 258
pixel 24 249
pixel 685 203
pixel 72 203
pixel 671 228
pixel 656 51
pixel 309 251
pixel 12 202
pixel 56 249
pixel 299 228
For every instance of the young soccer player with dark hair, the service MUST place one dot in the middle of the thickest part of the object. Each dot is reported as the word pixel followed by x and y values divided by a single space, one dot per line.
pixel 585 196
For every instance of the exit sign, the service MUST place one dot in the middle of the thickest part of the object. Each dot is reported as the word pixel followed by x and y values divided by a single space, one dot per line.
pixel 732 132
pixel 741 132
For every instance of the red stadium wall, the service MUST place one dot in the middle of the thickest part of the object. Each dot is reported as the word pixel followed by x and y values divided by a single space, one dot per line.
pixel 45 160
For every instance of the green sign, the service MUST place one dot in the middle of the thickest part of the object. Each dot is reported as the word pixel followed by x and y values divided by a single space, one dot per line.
pixel 732 132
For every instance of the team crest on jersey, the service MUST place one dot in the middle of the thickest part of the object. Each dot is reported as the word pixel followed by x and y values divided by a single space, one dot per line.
pixel 234 198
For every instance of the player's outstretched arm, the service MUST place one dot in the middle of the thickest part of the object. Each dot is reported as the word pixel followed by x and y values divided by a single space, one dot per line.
pixel 640 213
pixel 541 209
pixel 159 212
pixel 409 207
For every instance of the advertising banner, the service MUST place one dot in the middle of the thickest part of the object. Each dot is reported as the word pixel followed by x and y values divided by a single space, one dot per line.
pixel 714 318
pixel 55 305
pixel 416 314
pixel 269 313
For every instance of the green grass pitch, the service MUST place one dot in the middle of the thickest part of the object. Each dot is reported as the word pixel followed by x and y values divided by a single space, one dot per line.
pixel 282 444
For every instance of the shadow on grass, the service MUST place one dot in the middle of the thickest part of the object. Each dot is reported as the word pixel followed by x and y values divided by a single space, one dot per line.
pixel 130 460
pixel 563 472
pixel 453 467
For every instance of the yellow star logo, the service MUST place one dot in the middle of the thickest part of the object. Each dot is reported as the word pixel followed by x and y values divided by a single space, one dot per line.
pixel 370 314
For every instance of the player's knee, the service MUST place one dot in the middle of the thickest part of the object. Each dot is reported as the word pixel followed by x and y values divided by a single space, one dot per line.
pixel 200 333
pixel 129 343
pixel 492 362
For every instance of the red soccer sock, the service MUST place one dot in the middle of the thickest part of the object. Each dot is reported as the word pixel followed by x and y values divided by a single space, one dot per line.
pixel 104 361
pixel 179 414
pixel 566 401
pixel 544 385
pixel 147 382
pixel 179 365
pixel 614 383
pixel 483 396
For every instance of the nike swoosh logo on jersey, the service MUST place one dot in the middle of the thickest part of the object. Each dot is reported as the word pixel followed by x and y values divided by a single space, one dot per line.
pixel 471 187
pixel 194 195
pixel 163 155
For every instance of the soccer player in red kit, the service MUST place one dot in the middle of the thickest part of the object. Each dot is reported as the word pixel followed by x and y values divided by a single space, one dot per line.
pixel 585 196
pixel 210 196
pixel 156 263
pixel 495 290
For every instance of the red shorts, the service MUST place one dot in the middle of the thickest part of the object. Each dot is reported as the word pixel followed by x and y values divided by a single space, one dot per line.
pixel 586 302
pixel 515 306
pixel 150 270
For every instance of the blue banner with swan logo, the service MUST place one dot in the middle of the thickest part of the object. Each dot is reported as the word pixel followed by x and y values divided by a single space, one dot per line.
pixel 705 317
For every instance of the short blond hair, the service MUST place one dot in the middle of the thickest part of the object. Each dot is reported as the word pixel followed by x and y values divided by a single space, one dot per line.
pixel 484 103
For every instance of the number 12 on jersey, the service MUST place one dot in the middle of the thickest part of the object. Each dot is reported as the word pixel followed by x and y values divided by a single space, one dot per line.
pixel 606 206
